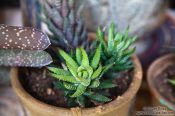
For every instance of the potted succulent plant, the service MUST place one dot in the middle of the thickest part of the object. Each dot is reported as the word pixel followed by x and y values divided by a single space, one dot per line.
pixel 83 81
pixel 160 79
pixel 98 77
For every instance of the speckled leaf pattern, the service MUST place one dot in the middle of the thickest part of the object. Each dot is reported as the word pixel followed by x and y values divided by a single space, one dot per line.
pixel 24 58
pixel 27 38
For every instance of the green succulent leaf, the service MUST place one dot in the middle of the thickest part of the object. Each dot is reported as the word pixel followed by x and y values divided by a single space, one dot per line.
pixel 72 69
pixel 97 97
pixel 95 84
pixel 100 34
pixel 107 67
pixel 59 71
pixel 80 90
pixel 123 67
pixel 71 102
pixel 69 86
pixel 127 44
pixel 97 73
pixel 81 101
pixel 59 85
pixel 106 85
pixel 85 59
pixel 96 59
pixel 124 60
pixel 68 58
pixel 118 38
pixel 133 39
pixel 78 56
pixel 172 82
pixel 126 33
pixel 120 46
pixel 111 37
pixel 70 79
pixel 101 38
pixel 87 69
pixel 129 52
pixel 83 81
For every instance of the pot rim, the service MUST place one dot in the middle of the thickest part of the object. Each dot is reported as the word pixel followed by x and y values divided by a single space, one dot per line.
pixel 152 87
pixel 118 102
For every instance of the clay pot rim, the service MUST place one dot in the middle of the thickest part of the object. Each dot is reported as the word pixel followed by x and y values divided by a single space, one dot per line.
pixel 152 87
pixel 129 94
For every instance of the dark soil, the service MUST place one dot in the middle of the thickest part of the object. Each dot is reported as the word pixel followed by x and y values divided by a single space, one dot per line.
pixel 41 87
pixel 164 87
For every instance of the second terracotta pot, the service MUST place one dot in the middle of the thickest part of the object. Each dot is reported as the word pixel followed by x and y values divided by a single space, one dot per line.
pixel 156 69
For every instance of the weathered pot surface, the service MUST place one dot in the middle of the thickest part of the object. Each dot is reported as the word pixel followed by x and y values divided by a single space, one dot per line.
pixel 156 68
pixel 118 107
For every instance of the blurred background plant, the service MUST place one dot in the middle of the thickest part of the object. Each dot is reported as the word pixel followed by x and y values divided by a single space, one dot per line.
pixel 124 12
pixel 65 27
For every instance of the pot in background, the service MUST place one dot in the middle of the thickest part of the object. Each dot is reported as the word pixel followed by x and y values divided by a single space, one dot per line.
pixel 156 68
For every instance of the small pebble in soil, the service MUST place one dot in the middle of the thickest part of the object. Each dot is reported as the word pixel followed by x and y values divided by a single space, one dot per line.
pixel 119 97
pixel 49 91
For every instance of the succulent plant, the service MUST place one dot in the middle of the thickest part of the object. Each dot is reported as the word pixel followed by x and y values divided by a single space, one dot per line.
pixel 80 78
pixel 67 28
pixel 23 46
pixel 117 49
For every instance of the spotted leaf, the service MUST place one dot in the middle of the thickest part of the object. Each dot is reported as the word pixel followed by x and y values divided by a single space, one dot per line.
pixel 27 38
pixel 24 58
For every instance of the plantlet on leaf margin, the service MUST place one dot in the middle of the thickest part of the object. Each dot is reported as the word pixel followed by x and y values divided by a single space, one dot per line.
pixel 117 49
pixel 23 46
pixel 82 77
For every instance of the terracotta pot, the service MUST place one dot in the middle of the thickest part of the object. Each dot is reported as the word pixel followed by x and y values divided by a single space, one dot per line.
pixel 118 107
pixel 154 70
